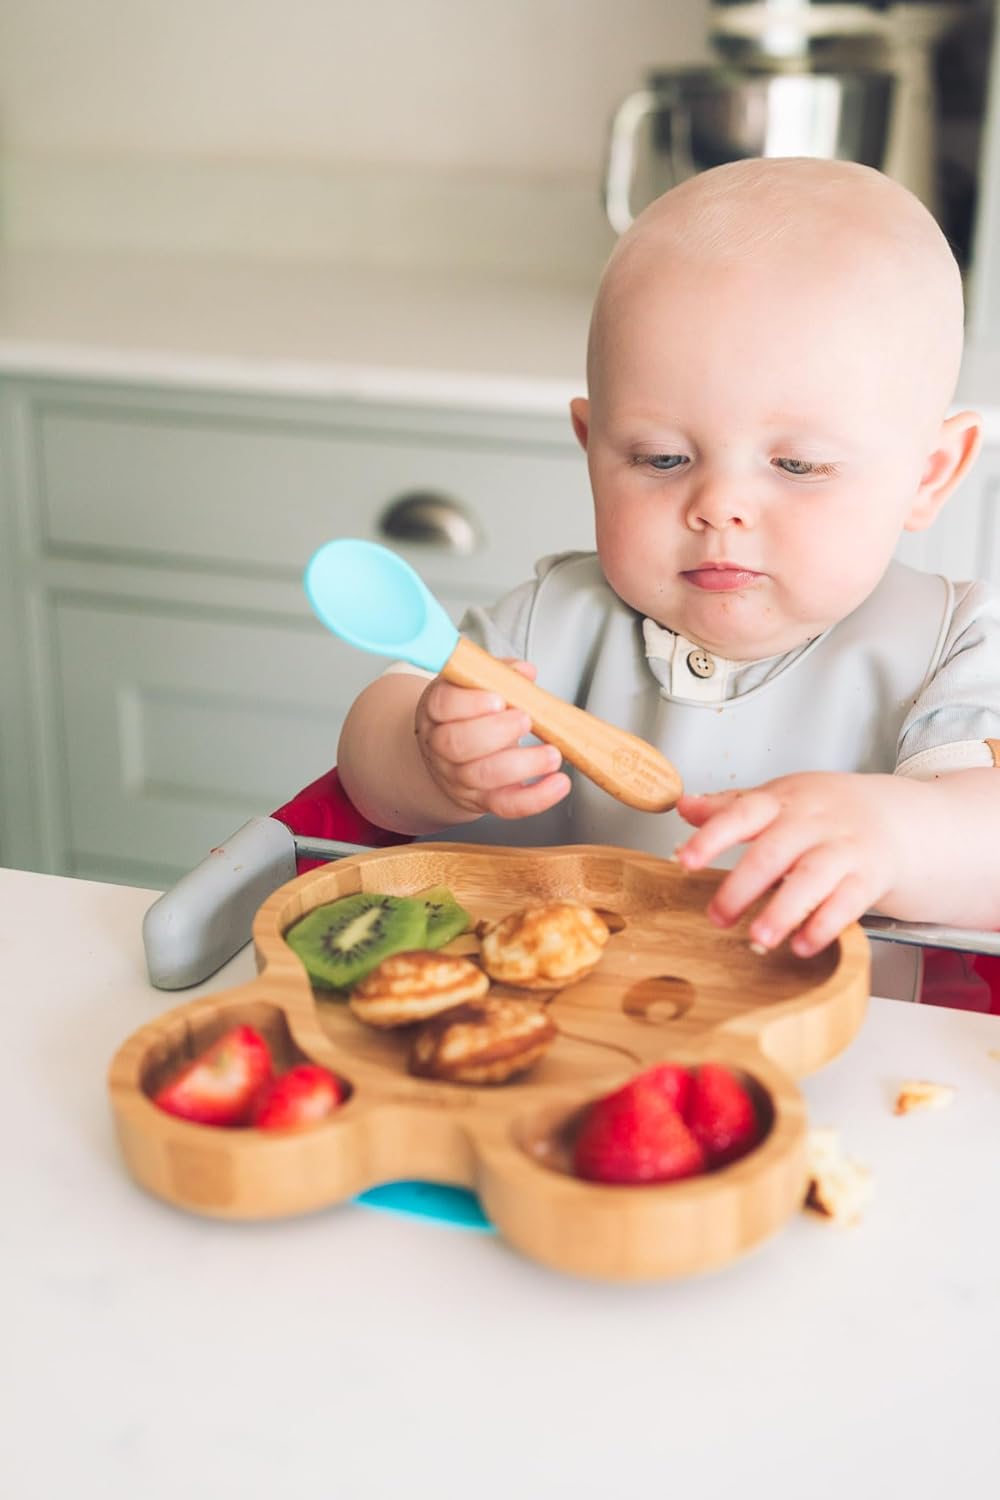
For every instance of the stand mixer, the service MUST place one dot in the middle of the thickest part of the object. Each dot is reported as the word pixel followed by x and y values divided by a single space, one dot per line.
pixel 901 38
pixel 852 79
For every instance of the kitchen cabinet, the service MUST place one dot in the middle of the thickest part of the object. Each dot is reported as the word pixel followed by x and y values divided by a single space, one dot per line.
pixel 163 677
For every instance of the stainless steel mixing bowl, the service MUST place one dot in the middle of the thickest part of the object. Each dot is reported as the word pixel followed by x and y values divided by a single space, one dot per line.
pixel 701 117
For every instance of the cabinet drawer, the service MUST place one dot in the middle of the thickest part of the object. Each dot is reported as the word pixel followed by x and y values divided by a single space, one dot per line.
pixel 230 491
pixel 177 730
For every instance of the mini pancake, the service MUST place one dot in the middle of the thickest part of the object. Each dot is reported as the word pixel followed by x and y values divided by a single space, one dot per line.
pixel 412 986
pixel 486 1041
pixel 544 947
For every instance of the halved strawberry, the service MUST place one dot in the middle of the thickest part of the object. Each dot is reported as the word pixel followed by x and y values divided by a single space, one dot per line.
pixel 721 1114
pixel 635 1135
pixel 219 1087
pixel 302 1096
pixel 672 1082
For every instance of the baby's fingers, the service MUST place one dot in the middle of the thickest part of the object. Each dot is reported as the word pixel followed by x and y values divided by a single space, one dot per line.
pixel 733 818
pixel 526 801
pixel 696 809
pixel 845 904
pixel 444 701
pixel 821 895
pixel 461 741
pixel 508 768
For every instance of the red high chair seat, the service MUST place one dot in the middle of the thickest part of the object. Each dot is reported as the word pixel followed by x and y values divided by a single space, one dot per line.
pixel 323 810
pixel 961 981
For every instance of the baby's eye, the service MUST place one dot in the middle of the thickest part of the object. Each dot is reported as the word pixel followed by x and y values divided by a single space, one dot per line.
pixel 802 468
pixel 661 462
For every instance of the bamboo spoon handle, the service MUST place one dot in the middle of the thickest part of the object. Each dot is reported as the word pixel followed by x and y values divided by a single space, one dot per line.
pixel 621 763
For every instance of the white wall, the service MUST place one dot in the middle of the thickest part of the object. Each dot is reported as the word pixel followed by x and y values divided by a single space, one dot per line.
pixel 504 85
pixel 161 122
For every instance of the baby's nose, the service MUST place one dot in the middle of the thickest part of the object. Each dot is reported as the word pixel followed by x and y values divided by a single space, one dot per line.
pixel 719 505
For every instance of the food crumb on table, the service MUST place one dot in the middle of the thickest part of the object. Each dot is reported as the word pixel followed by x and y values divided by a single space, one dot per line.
pixel 920 1093
pixel 839 1188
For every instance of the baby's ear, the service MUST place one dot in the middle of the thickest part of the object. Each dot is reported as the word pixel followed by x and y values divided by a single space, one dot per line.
pixel 947 464
pixel 579 411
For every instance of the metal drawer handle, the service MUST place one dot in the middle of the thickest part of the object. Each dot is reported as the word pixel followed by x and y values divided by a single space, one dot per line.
pixel 429 518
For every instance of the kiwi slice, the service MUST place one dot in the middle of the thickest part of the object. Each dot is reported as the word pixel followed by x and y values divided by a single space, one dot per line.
pixel 445 918
pixel 343 941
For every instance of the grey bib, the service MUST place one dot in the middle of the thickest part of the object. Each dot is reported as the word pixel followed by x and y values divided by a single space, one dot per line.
pixel 838 705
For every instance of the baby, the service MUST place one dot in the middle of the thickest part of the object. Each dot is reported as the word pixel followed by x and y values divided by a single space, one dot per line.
pixel 773 350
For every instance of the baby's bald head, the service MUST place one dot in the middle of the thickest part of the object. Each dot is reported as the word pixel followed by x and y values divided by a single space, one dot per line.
pixel 773 350
pixel 817 240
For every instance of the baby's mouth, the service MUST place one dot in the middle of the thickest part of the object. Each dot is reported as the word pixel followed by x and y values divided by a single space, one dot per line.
pixel 721 577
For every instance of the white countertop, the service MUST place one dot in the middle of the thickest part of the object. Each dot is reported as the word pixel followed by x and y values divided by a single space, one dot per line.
pixel 146 1352
pixel 297 328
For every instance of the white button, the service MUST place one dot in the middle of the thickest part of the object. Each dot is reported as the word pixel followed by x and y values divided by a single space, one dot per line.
pixel 700 663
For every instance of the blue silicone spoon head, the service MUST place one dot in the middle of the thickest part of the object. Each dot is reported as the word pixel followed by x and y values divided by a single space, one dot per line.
pixel 371 598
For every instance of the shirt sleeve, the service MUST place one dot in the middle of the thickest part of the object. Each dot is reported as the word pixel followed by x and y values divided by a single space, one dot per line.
pixel 957 714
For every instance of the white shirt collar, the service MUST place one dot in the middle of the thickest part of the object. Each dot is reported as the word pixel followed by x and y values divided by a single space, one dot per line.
pixel 686 670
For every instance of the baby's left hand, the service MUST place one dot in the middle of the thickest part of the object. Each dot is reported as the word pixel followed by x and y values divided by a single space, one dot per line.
pixel 831 845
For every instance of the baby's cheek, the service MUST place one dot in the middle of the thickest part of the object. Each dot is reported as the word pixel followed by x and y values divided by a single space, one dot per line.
pixel 607 550
pixel 620 549
pixel 620 573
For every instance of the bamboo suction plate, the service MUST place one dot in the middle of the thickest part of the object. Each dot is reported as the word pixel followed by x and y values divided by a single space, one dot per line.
pixel 669 986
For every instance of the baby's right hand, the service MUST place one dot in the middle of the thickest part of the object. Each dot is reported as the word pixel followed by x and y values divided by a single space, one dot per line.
pixel 469 743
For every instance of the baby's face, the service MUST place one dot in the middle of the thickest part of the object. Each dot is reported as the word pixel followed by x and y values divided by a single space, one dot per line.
pixel 757 438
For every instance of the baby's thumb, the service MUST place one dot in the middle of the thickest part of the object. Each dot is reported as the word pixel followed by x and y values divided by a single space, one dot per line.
pixel 526 668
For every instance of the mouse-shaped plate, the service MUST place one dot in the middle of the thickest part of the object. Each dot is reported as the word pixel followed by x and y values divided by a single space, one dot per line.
pixel 669 986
